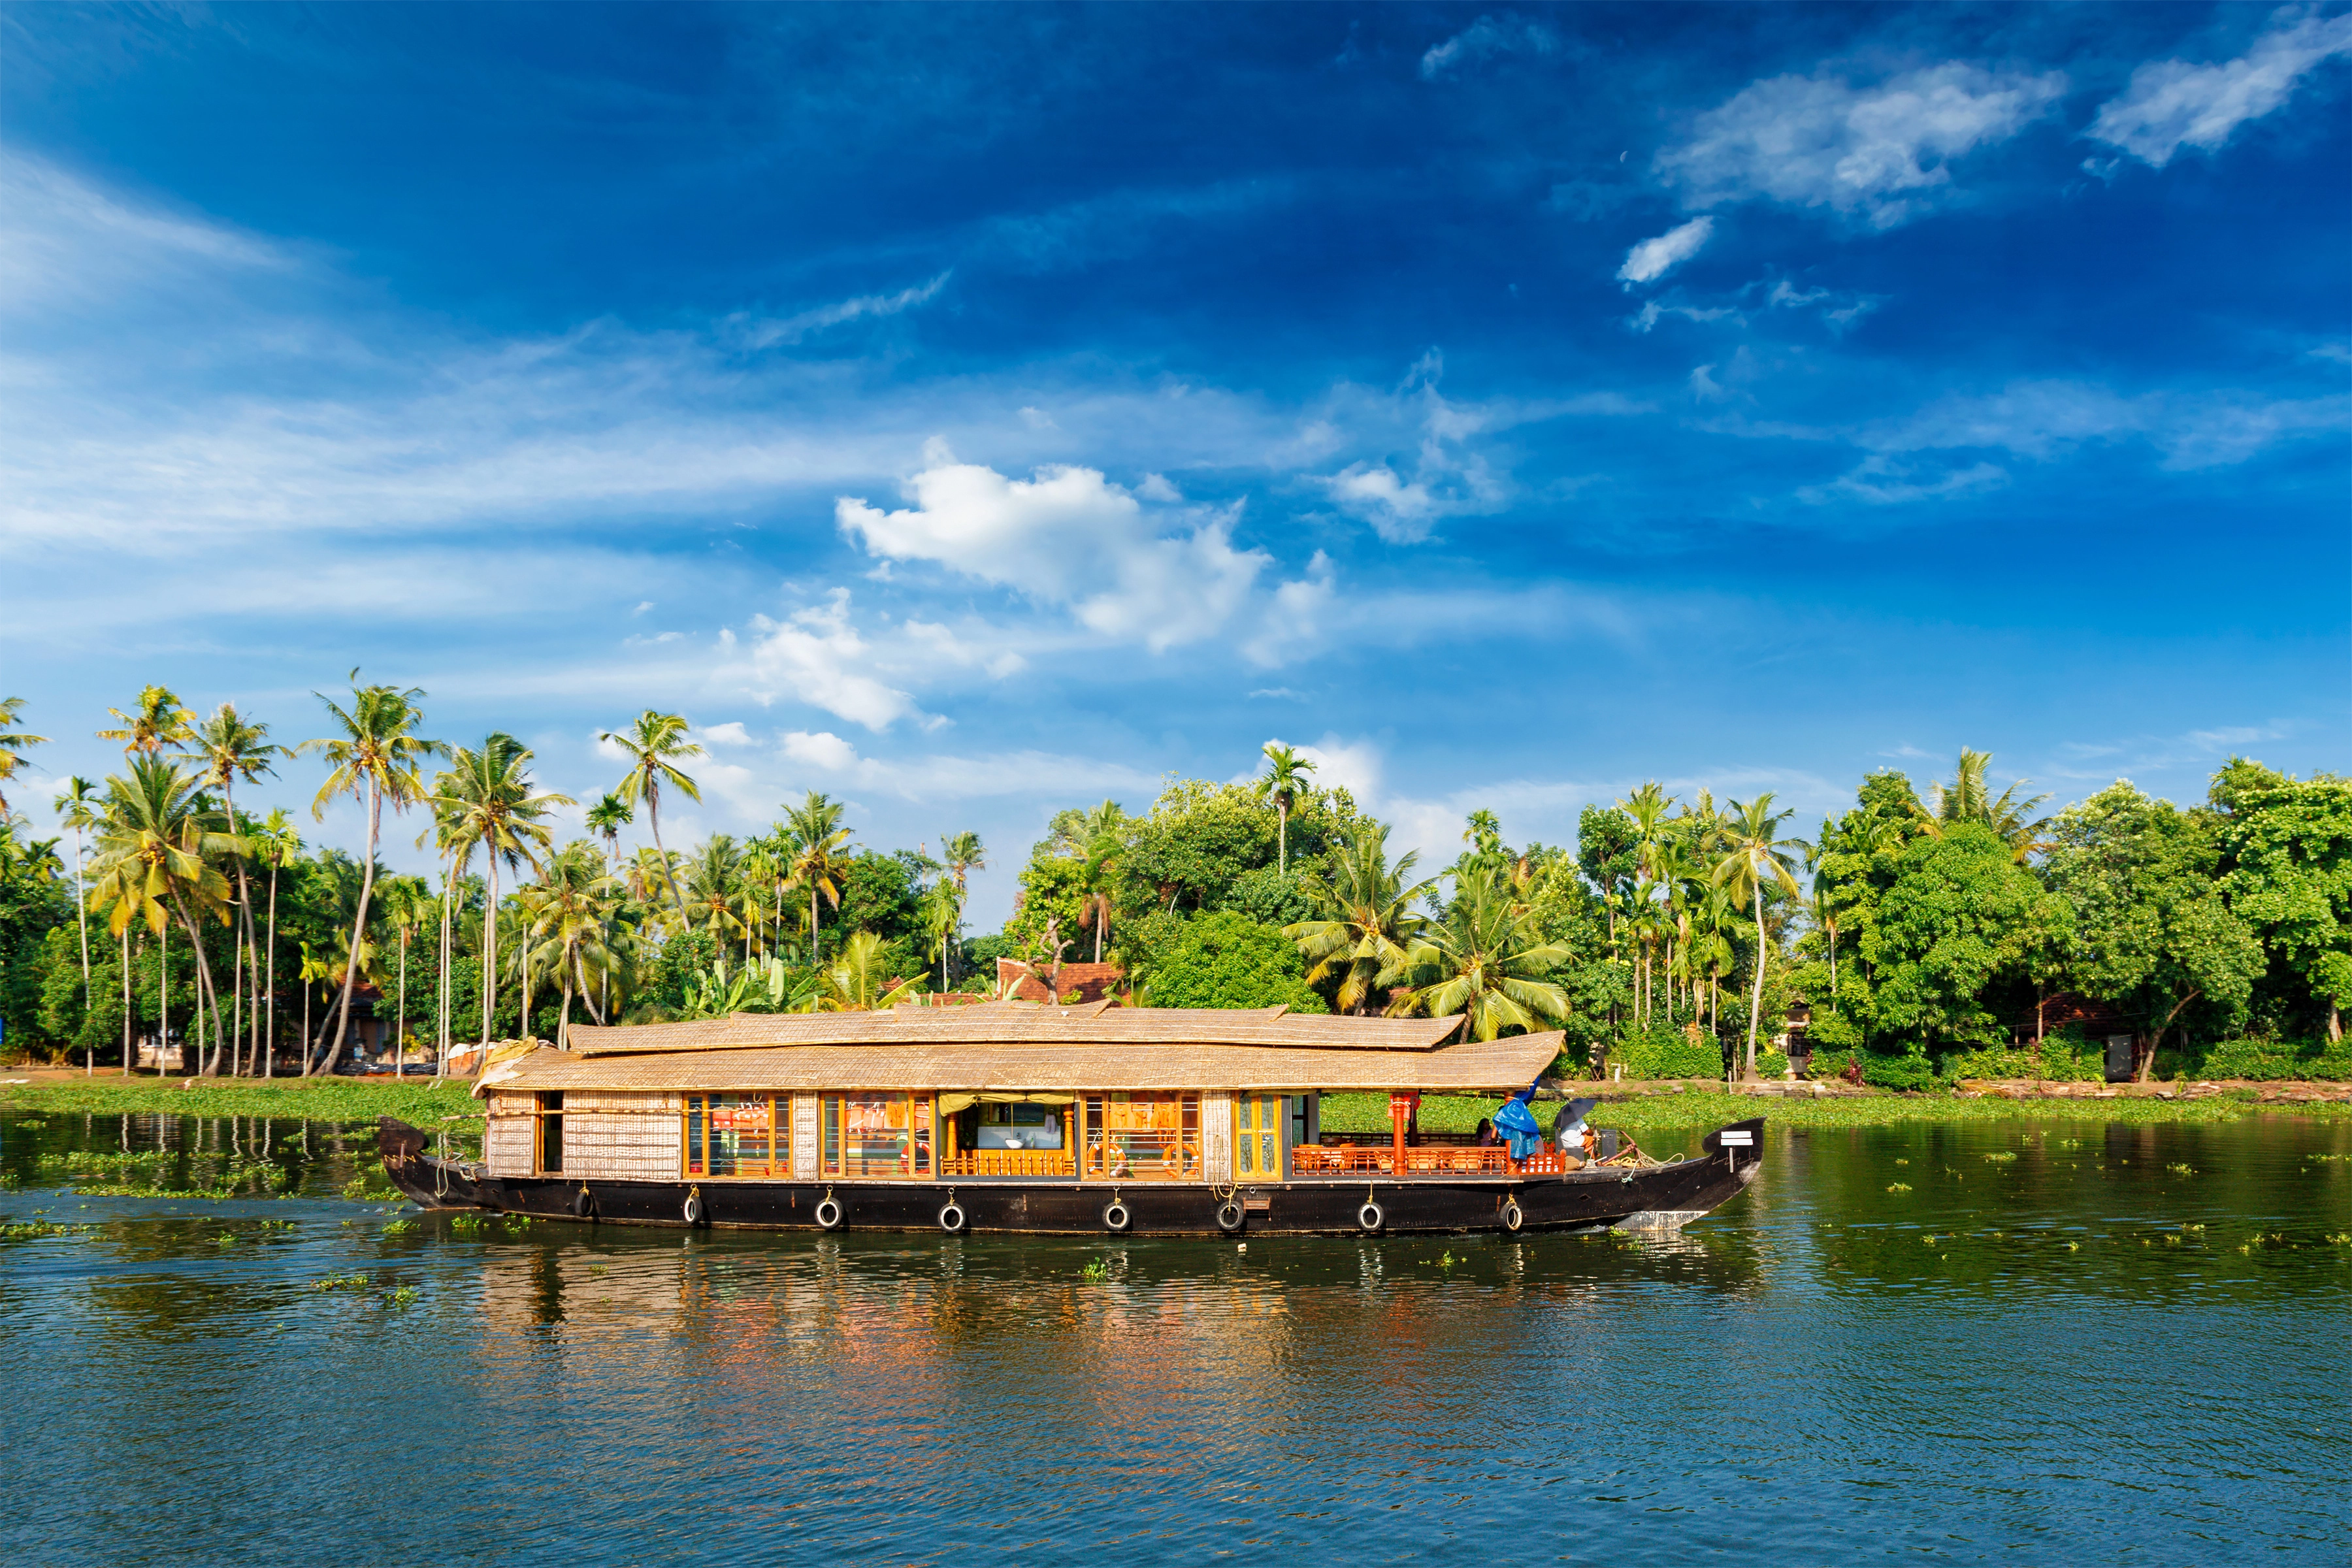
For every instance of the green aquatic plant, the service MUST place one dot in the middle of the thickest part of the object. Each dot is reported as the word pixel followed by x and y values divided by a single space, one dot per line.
pixel 343 1282
pixel 1095 1272
pixel 400 1228
pixel 1899 1187
pixel 2001 1156
pixel 37 1230
pixel 404 1296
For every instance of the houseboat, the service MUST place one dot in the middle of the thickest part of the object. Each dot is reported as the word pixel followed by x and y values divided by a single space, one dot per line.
pixel 1012 1117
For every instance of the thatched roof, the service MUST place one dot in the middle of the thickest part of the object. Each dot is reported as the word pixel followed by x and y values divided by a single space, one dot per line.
pixel 1097 1025
pixel 943 1059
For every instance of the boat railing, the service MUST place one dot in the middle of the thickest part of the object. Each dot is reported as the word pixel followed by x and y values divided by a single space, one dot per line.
pixel 1010 1163
pixel 1457 1159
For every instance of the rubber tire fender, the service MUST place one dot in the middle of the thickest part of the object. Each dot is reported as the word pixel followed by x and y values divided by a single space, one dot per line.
pixel 953 1219
pixel 584 1205
pixel 1514 1218
pixel 693 1209
pixel 1370 1219
pixel 1231 1216
pixel 828 1213
pixel 1117 1218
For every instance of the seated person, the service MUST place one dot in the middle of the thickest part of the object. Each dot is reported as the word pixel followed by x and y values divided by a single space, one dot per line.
pixel 1485 1138
pixel 1569 1134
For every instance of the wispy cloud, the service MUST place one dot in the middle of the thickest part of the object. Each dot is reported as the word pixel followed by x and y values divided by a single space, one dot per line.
pixel 1485 38
pixel 1653 258
pixel 1882 155
pixel 753 332
pixel 2173 104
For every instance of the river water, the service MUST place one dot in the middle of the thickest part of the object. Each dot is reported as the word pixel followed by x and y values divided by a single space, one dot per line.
pixel 2064 1342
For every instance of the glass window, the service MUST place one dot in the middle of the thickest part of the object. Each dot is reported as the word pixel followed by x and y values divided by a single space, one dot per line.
pixel 879 1135
pixel 549 1108
pixel 1143 1137
pixel 737 1135
pixel 1257 1138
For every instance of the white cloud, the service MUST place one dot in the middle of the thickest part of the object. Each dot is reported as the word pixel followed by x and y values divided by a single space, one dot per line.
pixel 823 749
pixel 1652 259
pixel 1448 477
pixel 1882 481
pixel 1070 538
pixel 752 332
pixel 2042 419
pixel 727 734
pixel 1486 37
pixel 815 655
pixel 1880 153
pixel 943 777
pixel 2172 104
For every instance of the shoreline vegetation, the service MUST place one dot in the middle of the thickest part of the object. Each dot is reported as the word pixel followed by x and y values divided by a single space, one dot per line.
pixel 1931 934
pixel 1628 1105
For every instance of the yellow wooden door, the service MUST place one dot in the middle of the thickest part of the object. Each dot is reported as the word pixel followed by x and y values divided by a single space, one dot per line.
pixel 1257 1138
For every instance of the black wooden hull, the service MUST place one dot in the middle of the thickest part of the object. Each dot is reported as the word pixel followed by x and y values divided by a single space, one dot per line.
pixel 1660 1196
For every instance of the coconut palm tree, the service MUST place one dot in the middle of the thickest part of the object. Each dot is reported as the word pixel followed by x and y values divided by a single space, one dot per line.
pixel 488 803
pixel 1758 855
pixel 276 843
pixel 818 861
pixel 155 724
pixel 605 820
pixel 1284 781
pixel 78 807
pixel 13 743
pixel 407 904
pixel 714 888
pixel 570 911
pixel 855 981
pixel 1969 798
pixel 942 918
pixel 154 860
pixel 654 745
pixel 375 759
pixel 1486 962
pixel 963 854
pixel 231 749
pixel 1365 927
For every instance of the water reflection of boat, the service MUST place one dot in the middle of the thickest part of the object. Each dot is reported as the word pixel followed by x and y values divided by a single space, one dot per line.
pixel 1008 1116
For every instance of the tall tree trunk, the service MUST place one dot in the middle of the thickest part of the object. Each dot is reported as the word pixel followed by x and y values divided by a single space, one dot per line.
pixel 490 950
pixel 163 997
pixel 81 918
pixel 1756 1002
pixel 400 1027
pixel 126 1006
pixel 564 1021
pixel 653 822
pixel 270 1027
pixel 1282 838
pixel 359 931
pixel 207 995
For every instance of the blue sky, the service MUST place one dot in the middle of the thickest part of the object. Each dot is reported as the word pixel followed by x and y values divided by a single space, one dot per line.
pixel 971 412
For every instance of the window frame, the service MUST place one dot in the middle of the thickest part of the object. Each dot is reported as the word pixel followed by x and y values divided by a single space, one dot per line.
pixel 694 1164
pixel 918 1158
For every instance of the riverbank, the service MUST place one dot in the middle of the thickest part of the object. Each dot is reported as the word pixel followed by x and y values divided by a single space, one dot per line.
pixel 1639 1106
pixel 416 1100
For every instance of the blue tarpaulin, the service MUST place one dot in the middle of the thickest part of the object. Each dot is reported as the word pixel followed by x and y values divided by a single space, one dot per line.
pixel 1515 1122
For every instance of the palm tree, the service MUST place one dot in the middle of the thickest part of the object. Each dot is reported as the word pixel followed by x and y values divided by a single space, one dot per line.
pixel 1098 870
pixel 855 982
pixel 1758 855
pixel 407 902
pixel 232 749
pixel 277 844
pixel 76 807
pixel 13 743
pixel 963 854
pixel 1488 958
pixel 818 840
pixel 1969 798
pixel 488 803
pixel 606 820
pixel 1285 780
pixel 157 723
pixel 375 759
pixel 160 836
pixel 654 745
pixel 715 876
pixel 569 912
pixel 943 917
pixel 1365 926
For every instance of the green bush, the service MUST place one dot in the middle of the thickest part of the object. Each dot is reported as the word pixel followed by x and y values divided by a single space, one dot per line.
pixel 1662 1051
pixel 1770 1063
pixel 2276 1060
pixel 2061 1058
pixel 1223 960
pixel 1912 1070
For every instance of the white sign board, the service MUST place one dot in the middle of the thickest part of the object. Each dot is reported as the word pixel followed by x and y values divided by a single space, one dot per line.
pixel 1741 1140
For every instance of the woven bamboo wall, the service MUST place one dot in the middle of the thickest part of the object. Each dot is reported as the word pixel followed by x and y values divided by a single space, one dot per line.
pixel 639 1144
pixel 506 1142
pixel 804 1136
pixel 1217 1136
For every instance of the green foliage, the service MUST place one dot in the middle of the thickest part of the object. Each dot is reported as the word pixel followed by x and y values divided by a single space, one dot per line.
pixel 1268 897
pixel 675 977
pixel 1224 959
pixel 2064 1057
pixel 881 893
pixel 1959 913
pixel 2288 846
pixel 1662 1051
pixel 2268 1060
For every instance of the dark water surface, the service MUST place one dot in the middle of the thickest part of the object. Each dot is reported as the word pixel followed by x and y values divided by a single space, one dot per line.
pixel 2036 1359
